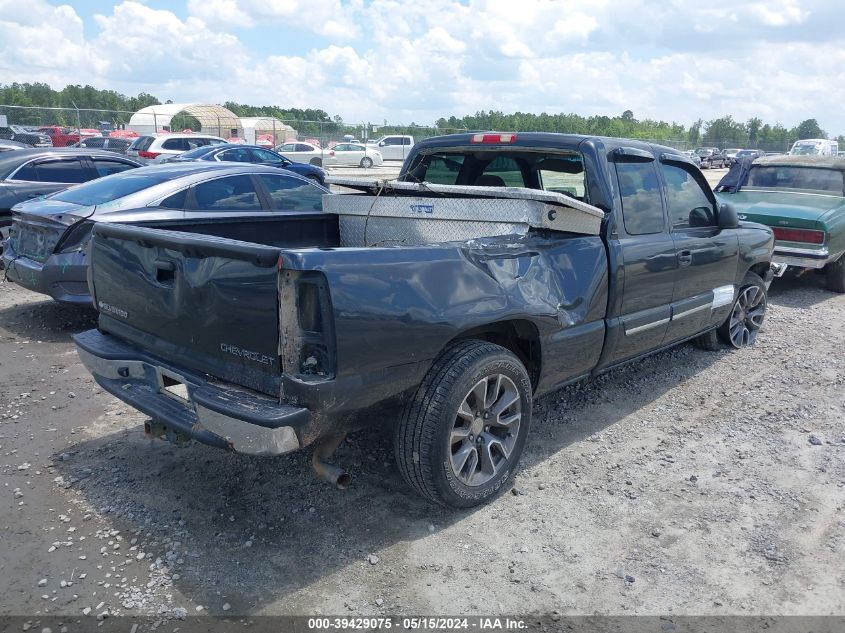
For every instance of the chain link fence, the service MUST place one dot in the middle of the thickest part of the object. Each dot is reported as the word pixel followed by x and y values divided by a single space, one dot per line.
pixel 268 131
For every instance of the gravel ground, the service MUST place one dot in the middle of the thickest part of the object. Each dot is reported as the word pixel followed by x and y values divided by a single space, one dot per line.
pixel 688 483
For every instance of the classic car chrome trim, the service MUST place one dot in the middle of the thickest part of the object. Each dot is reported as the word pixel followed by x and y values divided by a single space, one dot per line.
pixel 799 191
pixel 821 253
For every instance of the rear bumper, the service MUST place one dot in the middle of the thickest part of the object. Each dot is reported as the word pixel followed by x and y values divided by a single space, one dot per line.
pixel 238 420
pixel 62 277
pixel 803 257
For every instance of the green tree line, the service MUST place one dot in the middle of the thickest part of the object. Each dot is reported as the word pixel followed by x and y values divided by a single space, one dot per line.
pixel 115 107
pixel 721 132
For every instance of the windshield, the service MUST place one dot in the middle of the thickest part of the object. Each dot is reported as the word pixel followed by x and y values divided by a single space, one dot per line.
pixel 702 152
pixel 806 149
pixel 813 179
pixel 110 188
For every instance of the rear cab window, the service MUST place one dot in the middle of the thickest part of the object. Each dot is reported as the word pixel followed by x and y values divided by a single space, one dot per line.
pixel 561 171
pixel 811 179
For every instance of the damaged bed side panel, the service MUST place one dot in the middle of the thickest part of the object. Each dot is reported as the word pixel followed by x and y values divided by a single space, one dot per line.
pixel 409 303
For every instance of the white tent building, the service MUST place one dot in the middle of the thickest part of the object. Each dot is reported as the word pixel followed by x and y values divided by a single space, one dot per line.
pixel 214 119
pixel 266 126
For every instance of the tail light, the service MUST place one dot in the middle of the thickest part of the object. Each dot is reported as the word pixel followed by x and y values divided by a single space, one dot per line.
pixel 148 154
pixel 807 236
pixel 493 139
pixel 75 238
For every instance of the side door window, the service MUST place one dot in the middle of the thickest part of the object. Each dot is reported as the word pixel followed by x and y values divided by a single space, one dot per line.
pixel 263 156
pixel 175 144
pixel 237 155
pixel 305 148
pixel 59 171
pixel 642 207
pixel 686 199
pixel 175 201
pixel 107 167
pixel 232 193
pixel 291 194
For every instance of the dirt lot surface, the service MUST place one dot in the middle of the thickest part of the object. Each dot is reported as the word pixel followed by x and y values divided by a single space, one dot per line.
pixel 689 483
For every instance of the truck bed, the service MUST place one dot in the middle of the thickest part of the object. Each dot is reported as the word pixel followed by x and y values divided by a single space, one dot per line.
pixel 267 318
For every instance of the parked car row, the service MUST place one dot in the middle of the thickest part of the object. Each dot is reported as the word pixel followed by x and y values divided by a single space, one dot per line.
pixel 712 158
pixel 350 154
pixel 22 135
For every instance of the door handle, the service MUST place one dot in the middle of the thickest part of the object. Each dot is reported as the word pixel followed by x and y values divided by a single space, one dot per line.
pixel 685 258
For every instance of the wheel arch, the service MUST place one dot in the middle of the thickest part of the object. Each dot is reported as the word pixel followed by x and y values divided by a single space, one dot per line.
pixel 519 336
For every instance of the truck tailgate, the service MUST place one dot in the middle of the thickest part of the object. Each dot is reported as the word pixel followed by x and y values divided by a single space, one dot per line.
pixel 204 303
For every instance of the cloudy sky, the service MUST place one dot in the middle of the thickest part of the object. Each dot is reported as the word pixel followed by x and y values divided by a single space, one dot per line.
pixel 678 60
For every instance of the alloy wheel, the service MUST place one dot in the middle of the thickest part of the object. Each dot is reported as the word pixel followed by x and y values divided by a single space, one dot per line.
pixel 747 316
pixel 485 430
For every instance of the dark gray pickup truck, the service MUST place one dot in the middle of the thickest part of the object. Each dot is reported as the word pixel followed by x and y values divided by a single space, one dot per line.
pixel 265 349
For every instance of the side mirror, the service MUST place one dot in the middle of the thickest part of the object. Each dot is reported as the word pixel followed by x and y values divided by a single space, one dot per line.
pixel 382 144
pixel 728 218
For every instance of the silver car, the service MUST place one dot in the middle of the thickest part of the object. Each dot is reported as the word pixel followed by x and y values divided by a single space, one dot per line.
pixel 156 149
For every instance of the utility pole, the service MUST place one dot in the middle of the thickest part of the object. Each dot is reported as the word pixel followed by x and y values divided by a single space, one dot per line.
pixel 78 121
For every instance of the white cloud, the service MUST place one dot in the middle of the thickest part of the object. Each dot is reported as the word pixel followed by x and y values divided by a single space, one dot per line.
pixel 780 59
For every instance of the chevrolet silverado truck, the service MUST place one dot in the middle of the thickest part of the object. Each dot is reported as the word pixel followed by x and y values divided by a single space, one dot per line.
pixel 446 328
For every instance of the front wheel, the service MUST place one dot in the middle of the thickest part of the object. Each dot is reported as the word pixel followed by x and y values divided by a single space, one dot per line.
pixel 366 162
pixel 460 437
pixel 835 275
pixel 743 324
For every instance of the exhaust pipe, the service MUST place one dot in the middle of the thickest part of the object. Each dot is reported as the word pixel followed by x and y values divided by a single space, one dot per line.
pixel 335 475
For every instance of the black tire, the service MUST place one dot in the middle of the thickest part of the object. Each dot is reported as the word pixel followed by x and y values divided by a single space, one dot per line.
pixel 709 341
pixel 425 436
pixel 314 178
pixel 366 162
pixel 316 161
pixel 743 323
pixel 835 275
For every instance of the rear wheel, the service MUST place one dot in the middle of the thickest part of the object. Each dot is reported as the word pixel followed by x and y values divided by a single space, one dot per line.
pixel 743 324
pixel 317 161
pixel 835 275
pixel 366 162
pixel 461 436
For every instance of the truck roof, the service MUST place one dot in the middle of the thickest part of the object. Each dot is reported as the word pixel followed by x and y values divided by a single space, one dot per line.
pixel 551 140
pixel 792 160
